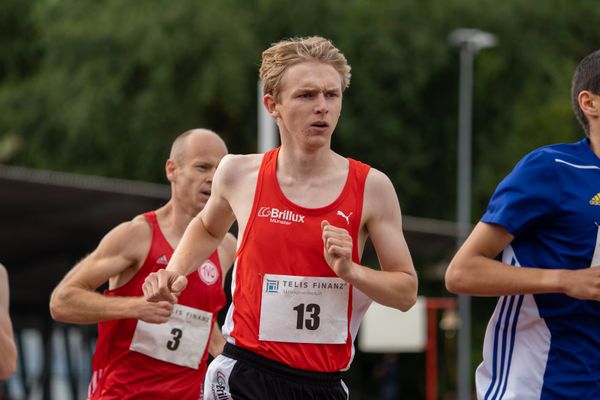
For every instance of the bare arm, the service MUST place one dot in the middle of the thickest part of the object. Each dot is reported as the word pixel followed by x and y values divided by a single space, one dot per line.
pixel 226 251
pixel 216 342
pixel 396 284
pixel 75 299
pixel 474 271
pixel 201 238
pixel 8 350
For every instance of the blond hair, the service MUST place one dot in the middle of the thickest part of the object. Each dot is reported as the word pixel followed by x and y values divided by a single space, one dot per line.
pixel 281 55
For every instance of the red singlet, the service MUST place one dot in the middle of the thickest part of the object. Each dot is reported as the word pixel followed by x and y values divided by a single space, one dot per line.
pixel 288 305
pixel 120 373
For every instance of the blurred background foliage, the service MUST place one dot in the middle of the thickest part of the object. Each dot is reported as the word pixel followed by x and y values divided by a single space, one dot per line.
pixel 103 87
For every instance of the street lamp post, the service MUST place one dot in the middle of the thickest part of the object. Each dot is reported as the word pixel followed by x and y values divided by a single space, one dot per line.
pixel 267 129
pixel 469 41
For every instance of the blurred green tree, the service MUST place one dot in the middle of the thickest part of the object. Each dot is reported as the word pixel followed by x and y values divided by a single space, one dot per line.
pixel 103 87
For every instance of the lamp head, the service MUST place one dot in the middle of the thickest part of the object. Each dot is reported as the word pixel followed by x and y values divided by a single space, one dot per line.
pixel 474 39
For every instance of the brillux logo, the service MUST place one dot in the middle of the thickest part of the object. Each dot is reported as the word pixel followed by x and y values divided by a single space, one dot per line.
pixel 275 215
pixel 220 388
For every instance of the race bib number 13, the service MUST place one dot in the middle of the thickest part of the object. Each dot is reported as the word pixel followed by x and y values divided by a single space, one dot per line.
pixel 298 309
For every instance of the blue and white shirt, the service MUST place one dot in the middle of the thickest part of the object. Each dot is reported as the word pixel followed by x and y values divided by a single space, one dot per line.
pixel 546 346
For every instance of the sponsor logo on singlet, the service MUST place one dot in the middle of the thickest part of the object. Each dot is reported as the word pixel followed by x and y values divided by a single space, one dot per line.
pixel 219 388
pixel 277 216
pixel 208 272
pixel 162 260
pixel 346 217
pixel 274 285
pixel 595 201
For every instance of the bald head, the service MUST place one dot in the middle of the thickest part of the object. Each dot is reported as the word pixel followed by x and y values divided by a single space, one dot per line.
pixel 200 136
pixel 195 156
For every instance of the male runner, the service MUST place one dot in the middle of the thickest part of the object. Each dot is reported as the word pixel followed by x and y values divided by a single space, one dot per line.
pixel 153 350
pixel 543 340
pixel 304 213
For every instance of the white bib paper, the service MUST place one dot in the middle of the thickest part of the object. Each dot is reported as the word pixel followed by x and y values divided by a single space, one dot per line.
pixel 299 309
pixel 181 340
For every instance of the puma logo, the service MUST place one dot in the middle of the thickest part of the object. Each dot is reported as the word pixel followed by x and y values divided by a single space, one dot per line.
pixel 347 218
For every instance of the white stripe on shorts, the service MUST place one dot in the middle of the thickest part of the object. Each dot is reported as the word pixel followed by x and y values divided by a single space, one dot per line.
pixel 216 381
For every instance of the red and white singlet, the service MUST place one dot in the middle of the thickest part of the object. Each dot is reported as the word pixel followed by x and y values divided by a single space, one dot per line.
pixel 137 360
pixel 288 305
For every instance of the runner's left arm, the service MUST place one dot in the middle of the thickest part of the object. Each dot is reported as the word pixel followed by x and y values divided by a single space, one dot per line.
pixel 395 285
pixel 216 342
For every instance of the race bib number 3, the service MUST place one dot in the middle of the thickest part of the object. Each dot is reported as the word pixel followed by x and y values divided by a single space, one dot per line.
pixel 181 340
pixel 298 309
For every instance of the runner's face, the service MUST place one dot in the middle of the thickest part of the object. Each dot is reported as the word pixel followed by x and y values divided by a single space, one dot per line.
pixel 310 102
pixel 196 170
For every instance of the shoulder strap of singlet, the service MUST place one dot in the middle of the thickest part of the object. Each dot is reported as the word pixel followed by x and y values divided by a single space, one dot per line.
pixel 157 233
pixel 358 174
pixel 151 218
pixel 269 157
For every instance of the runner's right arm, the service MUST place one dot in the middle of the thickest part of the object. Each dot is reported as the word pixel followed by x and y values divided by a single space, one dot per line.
pixel 75 300
pixel 8 351
pixel 202 236
pixel 475 271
